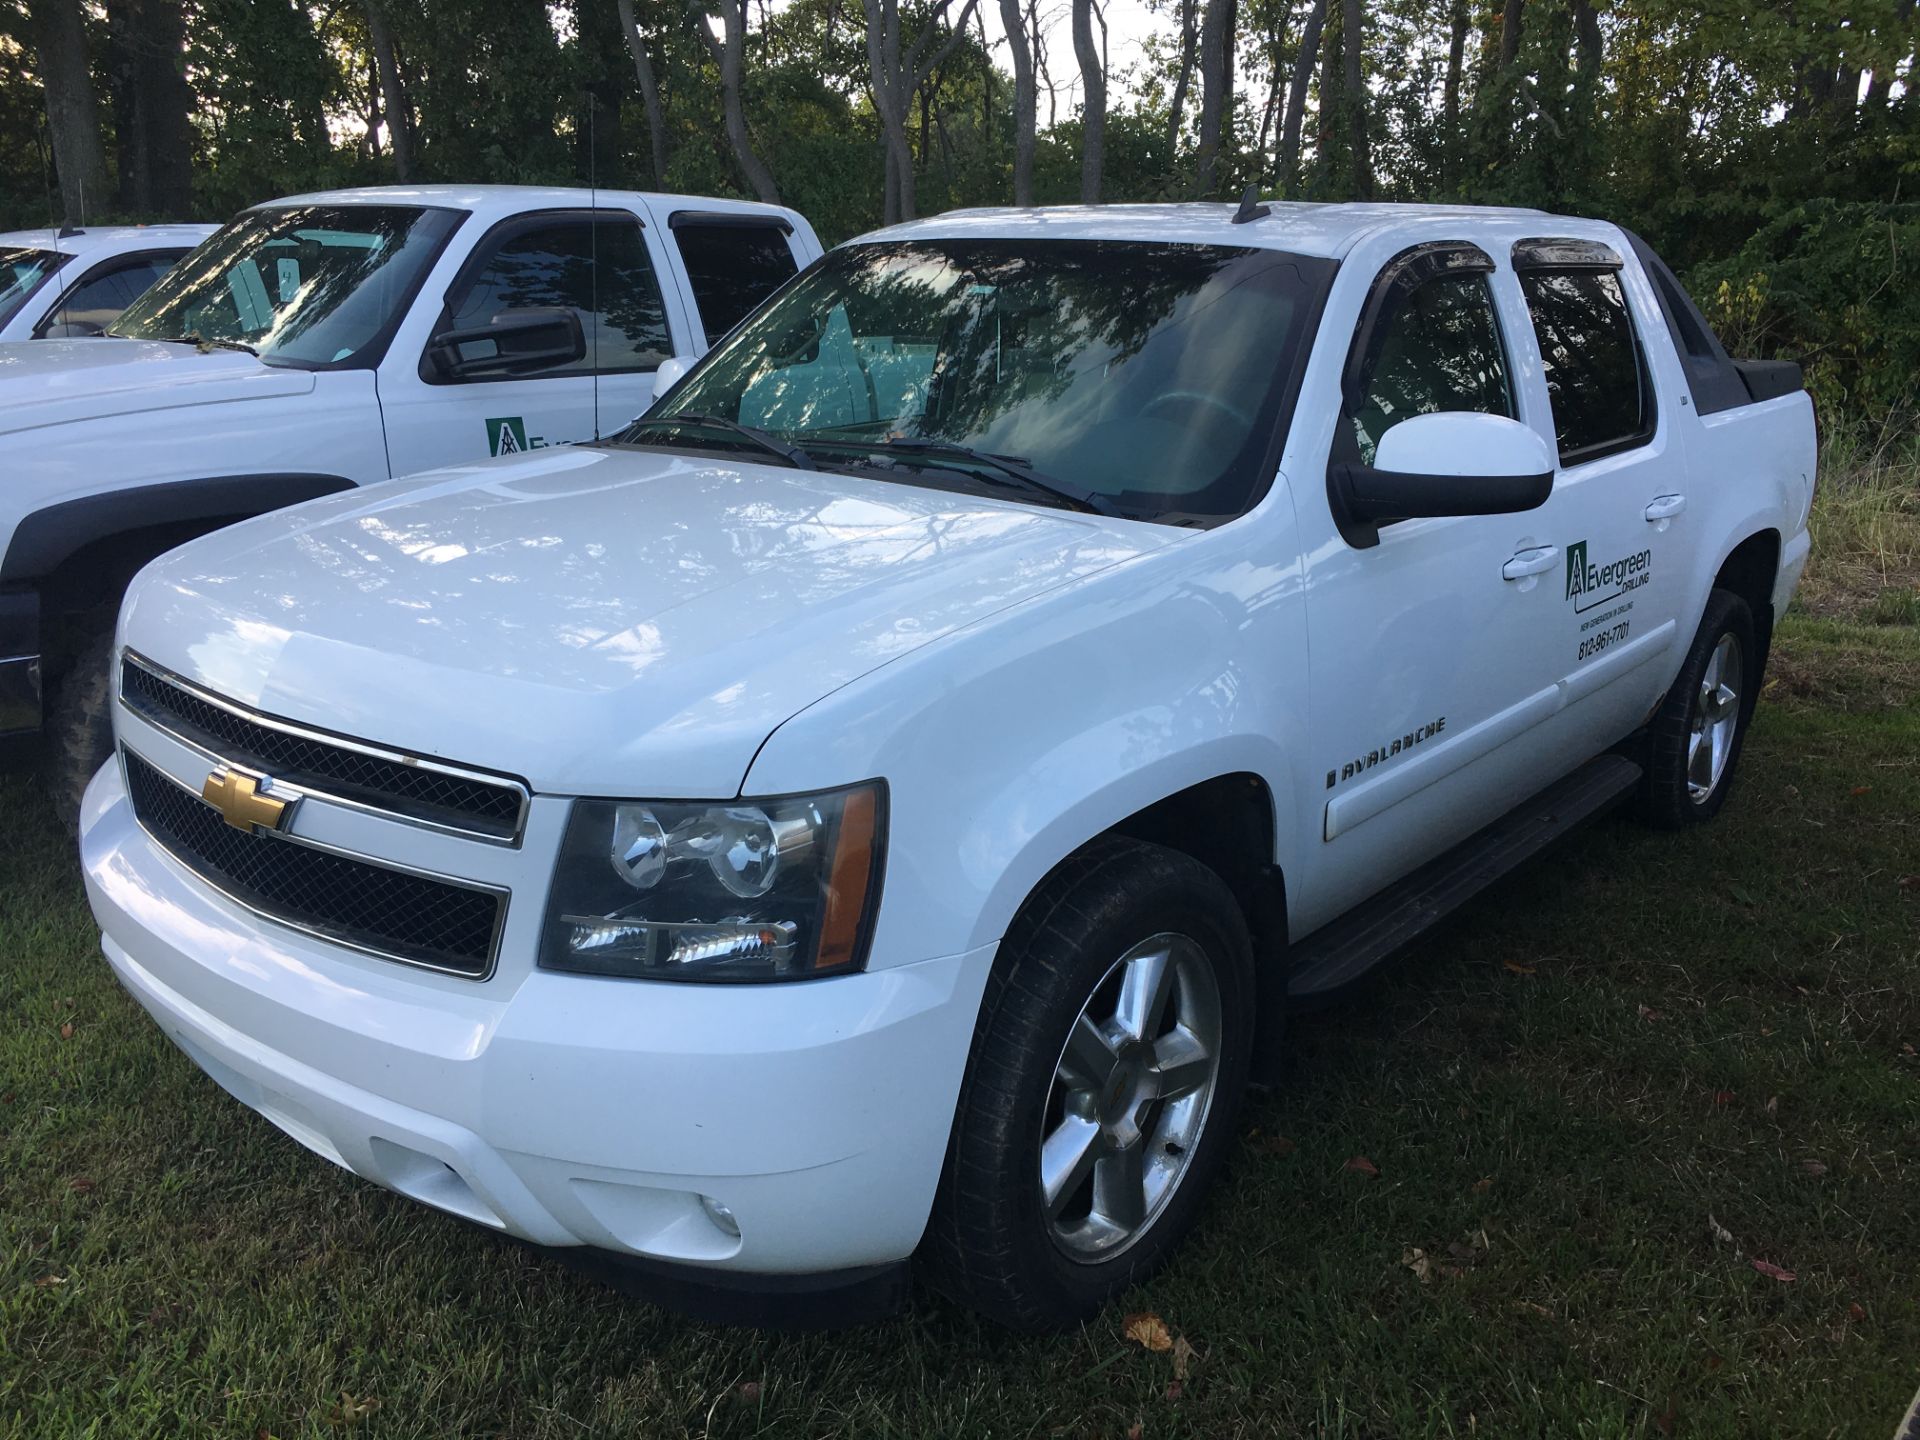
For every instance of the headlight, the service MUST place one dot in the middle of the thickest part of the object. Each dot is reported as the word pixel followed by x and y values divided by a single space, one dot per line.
pixel 740 890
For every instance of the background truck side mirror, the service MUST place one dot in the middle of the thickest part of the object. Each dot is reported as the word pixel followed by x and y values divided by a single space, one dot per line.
pixel 1449 463
pixel 669 373
pixel 514 342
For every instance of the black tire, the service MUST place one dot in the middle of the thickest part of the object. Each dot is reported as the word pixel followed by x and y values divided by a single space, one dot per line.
pixel 990 1244
pixel 80 727
pixel 1667 800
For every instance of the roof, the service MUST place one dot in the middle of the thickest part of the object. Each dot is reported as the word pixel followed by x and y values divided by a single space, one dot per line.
pixel 1301 227
pixel 498 201
pixel 89 239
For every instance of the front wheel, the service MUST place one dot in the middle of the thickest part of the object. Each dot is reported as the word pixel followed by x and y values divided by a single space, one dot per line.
pixel 1099 1103
pixel 80 727
pixel 1694 741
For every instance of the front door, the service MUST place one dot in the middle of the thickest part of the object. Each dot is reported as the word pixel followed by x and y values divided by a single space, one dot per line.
pixel 597 263
pixel 1434 642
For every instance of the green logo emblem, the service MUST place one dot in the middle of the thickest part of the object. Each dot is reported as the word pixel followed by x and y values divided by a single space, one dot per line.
pixel 1576 566
pixel 507 435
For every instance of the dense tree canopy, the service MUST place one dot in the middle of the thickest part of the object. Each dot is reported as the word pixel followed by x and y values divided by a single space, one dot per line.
pixel 1768 150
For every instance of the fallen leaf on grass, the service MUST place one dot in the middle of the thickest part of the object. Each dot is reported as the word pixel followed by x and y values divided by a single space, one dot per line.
pixel 1183 1357
pixel 1272 1144
pixel 1175 1390
pixel 80 1185
pixel 1719 1232
pixel 749 1391
pixel 1482 1185
pixel 1136 1430
pixel 1419 1263
pixel 1773 1105
pixel 1909 882
pixel 1360 1165
pixel 7 1099
pixel 1860 790
pixel 1856 1311
pixel 1743 895
pixel 1723 1097
pixel 1774 1272
pixel 1666 1419
pixel 48 1281
pixel 1813 1168
pixel 1148 1331
pixel 1517 968
pixel 1542 1311
pixel 351 1410
pixel 66 1031
pixel 1648 1013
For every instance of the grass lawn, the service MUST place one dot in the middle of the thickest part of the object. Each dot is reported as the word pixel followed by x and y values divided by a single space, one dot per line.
pixel 1596 1103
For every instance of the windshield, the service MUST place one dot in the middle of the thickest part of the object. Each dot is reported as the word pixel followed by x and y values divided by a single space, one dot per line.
pixel 308 286
pixel 1148 377
pixel 21 272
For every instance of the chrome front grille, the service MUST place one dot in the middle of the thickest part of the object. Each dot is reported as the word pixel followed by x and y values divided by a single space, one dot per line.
pixel 406 787
pixel 397 914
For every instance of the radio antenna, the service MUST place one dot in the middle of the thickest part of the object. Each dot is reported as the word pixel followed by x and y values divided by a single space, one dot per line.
pixel 593 249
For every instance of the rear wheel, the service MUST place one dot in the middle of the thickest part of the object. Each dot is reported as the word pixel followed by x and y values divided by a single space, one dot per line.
pixel 1100 1097
pixel 1695 739
pixel 80 726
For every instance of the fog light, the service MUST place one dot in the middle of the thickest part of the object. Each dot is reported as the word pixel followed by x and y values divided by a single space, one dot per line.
pixel 720 1215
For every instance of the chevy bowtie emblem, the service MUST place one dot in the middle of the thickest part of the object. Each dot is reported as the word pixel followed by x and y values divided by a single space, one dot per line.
pixel 242 803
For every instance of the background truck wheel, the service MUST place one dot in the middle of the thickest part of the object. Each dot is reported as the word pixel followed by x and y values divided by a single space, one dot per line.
pixel 80 727
pixel 1694 741
pixel 1100 1097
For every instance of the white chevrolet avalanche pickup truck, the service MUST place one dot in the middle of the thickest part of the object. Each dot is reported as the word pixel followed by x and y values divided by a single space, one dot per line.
pixel 326 341
pixel 883 803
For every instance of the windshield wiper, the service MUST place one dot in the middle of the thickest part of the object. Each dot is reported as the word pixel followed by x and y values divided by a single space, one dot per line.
pixel 792 454
pixel 209 342
pixel 1011 466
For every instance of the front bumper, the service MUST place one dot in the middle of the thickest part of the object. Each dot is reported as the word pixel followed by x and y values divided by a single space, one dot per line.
pixel 565 1110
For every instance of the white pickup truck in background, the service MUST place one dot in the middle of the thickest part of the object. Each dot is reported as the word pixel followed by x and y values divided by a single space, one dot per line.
pixel 325 341
pixel 59 284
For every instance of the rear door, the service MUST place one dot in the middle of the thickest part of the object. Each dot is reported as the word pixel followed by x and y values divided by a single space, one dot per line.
pixel 1620 516
pixel 602 264
pixel 733 260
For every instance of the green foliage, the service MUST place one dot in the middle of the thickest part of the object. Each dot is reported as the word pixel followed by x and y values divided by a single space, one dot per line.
pixel 1832 284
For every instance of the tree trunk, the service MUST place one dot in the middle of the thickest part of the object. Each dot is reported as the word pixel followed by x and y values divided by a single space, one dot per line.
pixel 1177 106
pixel 72 121
pixel 1352 37
pixel 649 92
pixel 1510 18
pixel 729 54
pixel 392 91
pixel 1093 78
pixel 1879 82
pixel 1216 88
pixel 1456 62
pixel 1286 169
pixel 1013 16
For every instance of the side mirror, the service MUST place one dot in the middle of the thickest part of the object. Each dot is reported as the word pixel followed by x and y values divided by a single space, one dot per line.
pixel 669 373
pixel 1449 463
pixel 514 342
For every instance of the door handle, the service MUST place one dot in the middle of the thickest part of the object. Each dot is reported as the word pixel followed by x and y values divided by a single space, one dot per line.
pixel 1665 507
pixel 1536 561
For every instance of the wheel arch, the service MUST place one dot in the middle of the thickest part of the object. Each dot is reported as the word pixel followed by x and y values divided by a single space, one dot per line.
pixel 1748 571
pixel 79 554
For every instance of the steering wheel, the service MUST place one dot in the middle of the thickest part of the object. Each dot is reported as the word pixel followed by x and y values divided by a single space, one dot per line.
pixel 1198 397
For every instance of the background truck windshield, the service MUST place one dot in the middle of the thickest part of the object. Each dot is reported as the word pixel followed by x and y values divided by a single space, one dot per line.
pixel 307 286
pixel 1153 375
pixel 21 272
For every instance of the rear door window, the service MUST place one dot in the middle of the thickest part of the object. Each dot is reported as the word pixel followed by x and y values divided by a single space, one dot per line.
pixel 732 267
pixel 96 302
pixel 1595 370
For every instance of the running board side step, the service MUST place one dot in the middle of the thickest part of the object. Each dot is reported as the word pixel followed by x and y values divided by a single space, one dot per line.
pixel 1345 950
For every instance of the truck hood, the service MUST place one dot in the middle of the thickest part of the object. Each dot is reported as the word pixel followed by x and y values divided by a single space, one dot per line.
pixel 54 382
pixel 596 621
